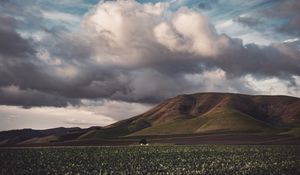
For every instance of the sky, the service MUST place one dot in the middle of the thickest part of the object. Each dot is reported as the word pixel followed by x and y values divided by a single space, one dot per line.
pixel 82 63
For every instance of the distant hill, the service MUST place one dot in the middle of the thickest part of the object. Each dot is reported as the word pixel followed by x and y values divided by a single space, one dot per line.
pixel 200 114
pixel 18 136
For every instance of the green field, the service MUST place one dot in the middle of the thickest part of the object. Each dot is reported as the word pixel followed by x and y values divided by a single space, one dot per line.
pixel 204 159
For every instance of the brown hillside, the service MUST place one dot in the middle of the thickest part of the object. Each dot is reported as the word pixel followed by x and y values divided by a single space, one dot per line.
pixel 211 112
pixel 201 114
pixel 272 109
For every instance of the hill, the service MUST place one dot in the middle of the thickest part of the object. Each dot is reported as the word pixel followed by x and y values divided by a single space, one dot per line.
pixel 201 114
pixel 210 113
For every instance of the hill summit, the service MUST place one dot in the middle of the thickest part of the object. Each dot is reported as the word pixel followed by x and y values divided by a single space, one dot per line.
pixel 210 113
pixel 201 114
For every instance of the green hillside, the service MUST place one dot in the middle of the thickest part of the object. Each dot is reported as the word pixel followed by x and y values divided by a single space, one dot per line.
pixel 219 120
pixel 212 113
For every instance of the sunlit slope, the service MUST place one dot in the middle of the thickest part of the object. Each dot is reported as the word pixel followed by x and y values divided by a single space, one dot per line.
pixel 209 113
pixel 217 121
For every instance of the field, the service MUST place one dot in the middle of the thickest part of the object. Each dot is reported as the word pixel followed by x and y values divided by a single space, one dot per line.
pixel 204 159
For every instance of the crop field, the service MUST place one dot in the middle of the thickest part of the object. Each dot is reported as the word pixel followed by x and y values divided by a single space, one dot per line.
pixel 204 159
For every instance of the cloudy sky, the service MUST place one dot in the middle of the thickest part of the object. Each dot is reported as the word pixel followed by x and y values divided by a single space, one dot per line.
pixel 87 62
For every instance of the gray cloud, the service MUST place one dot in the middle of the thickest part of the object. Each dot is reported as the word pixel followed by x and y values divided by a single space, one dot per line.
pixel 11 43
pixel 207 5
pixel 145 59
pixel 247 21
pixel 274 60
pixel 287 10
pixel 12 95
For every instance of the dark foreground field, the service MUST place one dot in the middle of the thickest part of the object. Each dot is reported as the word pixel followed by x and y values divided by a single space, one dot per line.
pixel 205 159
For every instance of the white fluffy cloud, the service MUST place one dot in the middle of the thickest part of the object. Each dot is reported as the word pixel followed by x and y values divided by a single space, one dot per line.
pixel 128 33
pixel 122 31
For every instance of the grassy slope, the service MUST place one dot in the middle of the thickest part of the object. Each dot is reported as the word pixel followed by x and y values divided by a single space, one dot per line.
pixel 219 120
pixel 125 127
pixel 202 113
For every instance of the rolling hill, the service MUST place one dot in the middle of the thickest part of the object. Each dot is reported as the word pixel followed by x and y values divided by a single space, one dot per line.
pixel 210 113
pixel 195 115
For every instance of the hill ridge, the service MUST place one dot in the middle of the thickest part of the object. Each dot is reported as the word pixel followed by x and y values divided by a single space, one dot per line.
pixel 198 113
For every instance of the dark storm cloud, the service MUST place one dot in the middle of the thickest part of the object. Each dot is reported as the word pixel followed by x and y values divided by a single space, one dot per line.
pixel 127 61
pixel 289 11
pixel 11 43
pixel 274 60
pixel 19 65
pixel 12 95
pixel 16 52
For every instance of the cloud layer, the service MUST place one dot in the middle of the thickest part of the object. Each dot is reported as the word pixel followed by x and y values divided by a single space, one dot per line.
pixel 133 52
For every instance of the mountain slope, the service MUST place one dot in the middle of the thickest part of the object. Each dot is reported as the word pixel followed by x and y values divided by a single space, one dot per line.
pixel 219 120
pixel 215 112
pixel 190 115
